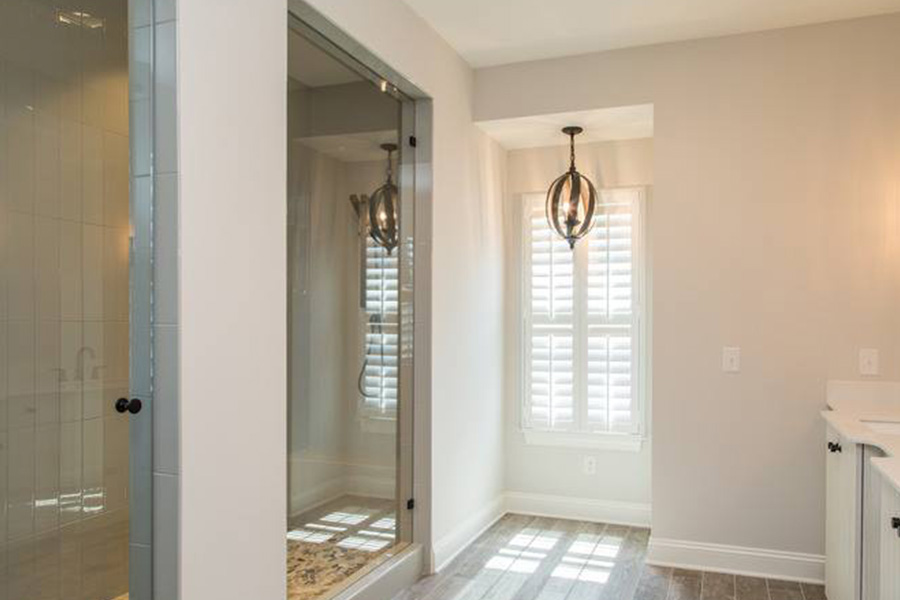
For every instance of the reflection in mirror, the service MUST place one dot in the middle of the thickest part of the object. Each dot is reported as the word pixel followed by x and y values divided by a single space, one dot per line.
pixel 344 312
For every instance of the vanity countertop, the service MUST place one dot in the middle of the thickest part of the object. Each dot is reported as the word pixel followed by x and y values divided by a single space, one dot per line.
pixel 856 409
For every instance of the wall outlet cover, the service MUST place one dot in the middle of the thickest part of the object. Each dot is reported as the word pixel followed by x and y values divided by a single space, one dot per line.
pixel 731 359
pixel 868 362
pixel 589 465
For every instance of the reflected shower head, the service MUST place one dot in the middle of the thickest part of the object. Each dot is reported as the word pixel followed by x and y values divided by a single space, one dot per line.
pixel 359 204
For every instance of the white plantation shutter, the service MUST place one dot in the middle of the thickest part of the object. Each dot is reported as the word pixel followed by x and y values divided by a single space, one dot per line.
pixel 582 320
pixel 551 345
pixel 380 331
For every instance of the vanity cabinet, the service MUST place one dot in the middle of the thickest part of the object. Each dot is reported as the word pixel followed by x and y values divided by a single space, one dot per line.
pixel 843 511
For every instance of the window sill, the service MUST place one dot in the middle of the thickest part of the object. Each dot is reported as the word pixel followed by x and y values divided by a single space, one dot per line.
pixel 589 441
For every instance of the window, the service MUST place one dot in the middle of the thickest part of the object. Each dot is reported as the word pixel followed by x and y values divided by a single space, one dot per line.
pixel 379 378
pixel 583 321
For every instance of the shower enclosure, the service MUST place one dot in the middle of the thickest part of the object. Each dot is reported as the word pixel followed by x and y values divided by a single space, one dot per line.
pixel 76 399
pixel 350 244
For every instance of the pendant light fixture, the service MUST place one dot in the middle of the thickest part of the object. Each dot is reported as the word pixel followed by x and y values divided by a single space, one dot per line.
pixel 571 199
pixel 383 208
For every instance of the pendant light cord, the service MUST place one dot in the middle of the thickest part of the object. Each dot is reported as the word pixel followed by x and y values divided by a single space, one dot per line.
pixel 390 171
pixel 571 152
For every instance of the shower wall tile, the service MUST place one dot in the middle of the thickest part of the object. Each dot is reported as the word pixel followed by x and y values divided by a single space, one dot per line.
pixel 141 464
pixel 70 270
pixel 4 491
pixel 140 12
pixel 20 159
pixel 47 450
pixel 46 265
pixel 4 245
pixel 92 466
pixel 90 362
pixel 70 489
pixel 47 374
pixel 165 250
pixel 20 483
pixel 140 580
pixel 91 174
pixel 141 91
pixel 116 249
pixel 4 399
pixel 70 169
pixel 20 374
pixel 71 406
pixel 165 106
pixel 20 266
pixel 46 168
pixel 165 544
pixel 92 272
pixel 165 10
pixel 115 180
pixel 165 409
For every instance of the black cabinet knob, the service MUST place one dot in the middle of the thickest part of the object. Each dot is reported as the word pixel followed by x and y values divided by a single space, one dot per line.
pixel 834 447
pixel 895 524
pixel 133 406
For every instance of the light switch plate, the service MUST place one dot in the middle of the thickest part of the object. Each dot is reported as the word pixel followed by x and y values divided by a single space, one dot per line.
pixel 731 359
pixel 868 362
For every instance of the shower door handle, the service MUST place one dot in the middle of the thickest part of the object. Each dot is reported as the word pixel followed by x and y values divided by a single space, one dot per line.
pixel 133 406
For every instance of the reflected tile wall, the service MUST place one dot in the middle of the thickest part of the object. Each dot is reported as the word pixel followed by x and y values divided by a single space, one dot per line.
pixel 64 299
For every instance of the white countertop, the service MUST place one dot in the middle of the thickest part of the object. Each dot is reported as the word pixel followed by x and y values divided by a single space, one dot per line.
pixel 853 402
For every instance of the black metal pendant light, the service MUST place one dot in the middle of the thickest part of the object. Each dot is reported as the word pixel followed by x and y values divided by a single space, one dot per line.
pixel 383 208
pixel 571 199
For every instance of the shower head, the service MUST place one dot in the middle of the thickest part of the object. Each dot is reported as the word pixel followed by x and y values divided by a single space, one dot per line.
pixel 359 204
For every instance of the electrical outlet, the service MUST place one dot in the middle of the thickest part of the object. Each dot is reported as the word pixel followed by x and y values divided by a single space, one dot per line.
pixel 731 359
pixel 868 362
pixel 589 465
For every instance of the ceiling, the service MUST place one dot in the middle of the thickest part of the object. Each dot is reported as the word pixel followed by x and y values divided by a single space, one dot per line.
pixel 622 123
pixel 352 147
pixel 314 68
pixel 493 32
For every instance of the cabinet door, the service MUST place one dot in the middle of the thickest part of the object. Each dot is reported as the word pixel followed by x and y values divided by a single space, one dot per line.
pixel 842 519
pixel 872 524
pixel 890 543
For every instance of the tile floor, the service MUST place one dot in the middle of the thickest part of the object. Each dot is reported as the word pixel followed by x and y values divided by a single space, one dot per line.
pixel 333 545
pixel 535 558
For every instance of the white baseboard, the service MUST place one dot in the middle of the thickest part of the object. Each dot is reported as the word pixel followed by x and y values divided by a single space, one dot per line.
pixel 451 544
pixel 582 509
pixel 317 496
pixel 334 479
pixel 739 560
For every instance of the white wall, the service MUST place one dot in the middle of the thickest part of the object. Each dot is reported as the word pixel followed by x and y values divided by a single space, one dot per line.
pixel 622 477
pixel 232 217
pixel 467 276
pixel 775 226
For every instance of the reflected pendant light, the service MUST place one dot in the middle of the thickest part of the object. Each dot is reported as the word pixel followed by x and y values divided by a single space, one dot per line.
pixel 571 199
pixel 383 208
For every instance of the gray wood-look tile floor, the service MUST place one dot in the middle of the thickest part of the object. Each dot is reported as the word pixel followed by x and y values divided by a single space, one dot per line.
pixel 536 558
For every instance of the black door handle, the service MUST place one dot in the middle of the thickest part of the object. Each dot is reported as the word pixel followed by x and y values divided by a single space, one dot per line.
pixel 895 524
pixel 133 406
pixel 834 447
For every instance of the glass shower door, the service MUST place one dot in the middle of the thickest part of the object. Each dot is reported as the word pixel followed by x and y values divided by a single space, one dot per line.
pixel 74 306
